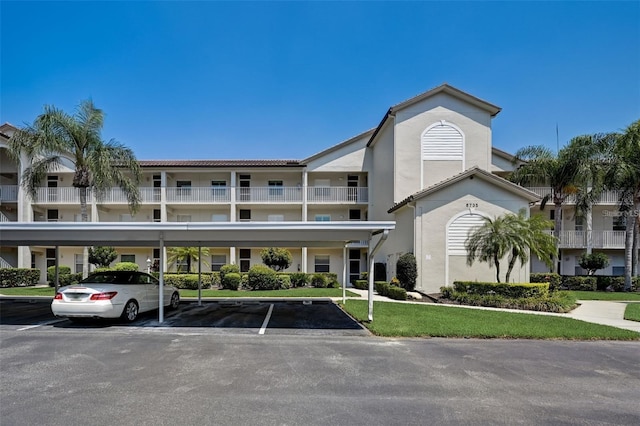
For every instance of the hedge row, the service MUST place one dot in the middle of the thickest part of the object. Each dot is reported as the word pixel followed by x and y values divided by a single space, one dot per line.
pixel 383 288
pixel 588 283
pixel 561 301
pixel 19 277
pixel 502 289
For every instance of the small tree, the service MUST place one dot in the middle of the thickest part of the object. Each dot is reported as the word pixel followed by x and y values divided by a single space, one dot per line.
pixel 102 256
pixel 276 258
pixel 407 271
pixel 594 261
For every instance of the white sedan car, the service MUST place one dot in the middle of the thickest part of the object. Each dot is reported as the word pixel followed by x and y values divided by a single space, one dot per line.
pixel 112 294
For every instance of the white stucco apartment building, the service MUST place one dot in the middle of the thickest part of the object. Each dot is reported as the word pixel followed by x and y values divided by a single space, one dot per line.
pixel 429 166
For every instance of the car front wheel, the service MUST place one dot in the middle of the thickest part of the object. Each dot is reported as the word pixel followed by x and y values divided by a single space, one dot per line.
pixel 175 301
pixel 130 312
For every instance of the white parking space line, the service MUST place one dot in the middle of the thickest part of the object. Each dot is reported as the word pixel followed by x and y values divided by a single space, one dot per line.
pixel 41 324
pixel 266 320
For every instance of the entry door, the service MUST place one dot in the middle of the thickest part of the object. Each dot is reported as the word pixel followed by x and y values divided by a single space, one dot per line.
pixel 352 185
pixel 354 265
pixel 245 187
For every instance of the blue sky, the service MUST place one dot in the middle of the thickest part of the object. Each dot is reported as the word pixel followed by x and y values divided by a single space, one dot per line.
pixel 233 80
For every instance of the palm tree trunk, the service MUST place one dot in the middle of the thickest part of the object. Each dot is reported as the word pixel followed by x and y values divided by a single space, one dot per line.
pixel 556 233
pixel 497 262
pixel 512 262
pixel 85 218
pixel 628 253
pixel 636 243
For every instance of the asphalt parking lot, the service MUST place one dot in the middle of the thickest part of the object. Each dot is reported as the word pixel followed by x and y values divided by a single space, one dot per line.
pixel 297 317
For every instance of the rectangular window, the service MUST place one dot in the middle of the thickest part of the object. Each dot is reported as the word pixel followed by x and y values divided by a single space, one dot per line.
pixel 619 223
pixel 219 218
pixel 157 217
pixel 245 260
pixel 51 257
pixel 321 263
pixel 183 218
pixel 52 188
pixel 579 223
pixel 52 215
pixel 245 215
pixel 275 218
pixel 217 261
pixel 323 218
pixel 78 262
pixel 33 260
pixel 155 265
pixel 219 190
pixel 157 183
pixel 354 214
pixel 275 188
pixel 617 271
pixel 128 258
pixel 184 188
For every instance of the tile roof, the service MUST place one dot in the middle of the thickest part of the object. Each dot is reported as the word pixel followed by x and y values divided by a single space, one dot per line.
pixel 220 163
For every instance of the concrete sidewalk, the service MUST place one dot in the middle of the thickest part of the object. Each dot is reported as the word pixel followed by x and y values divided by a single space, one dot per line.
pixel 594 311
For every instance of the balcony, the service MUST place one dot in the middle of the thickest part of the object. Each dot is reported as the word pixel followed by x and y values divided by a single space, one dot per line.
pixel 8 193
pixel 269 195
pixel 59 195
pixel 600 239
pixel 337 195
pixel 198 195
pixel 607 197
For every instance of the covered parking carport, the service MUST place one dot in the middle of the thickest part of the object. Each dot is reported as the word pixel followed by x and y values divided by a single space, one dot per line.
pixel 191 234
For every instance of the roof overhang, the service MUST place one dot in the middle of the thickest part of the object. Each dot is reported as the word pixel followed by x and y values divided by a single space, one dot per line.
pixel 190 234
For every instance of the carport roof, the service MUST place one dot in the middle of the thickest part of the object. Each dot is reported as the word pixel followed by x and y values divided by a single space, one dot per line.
pixel 224 234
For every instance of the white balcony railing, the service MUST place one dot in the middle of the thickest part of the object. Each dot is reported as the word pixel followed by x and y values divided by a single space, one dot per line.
pixel 117 196
pixel 599 239
pixel 607 197
pixel 269 194
pixel 8 193
pixel 59 195
pixel 340 194
pixel 198 195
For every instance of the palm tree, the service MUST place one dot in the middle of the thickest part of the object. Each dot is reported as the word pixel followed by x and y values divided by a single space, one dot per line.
pixel 99 165
pixel 514 235
pixel 574 171
pixel 188 255
pixel 624 175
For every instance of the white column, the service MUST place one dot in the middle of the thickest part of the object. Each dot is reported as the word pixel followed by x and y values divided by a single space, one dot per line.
pixel 161 287
pixel 163 198
pixel 303 261
pixel 304 195
pixel 344 274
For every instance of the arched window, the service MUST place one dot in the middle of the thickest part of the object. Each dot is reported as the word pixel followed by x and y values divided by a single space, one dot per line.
pixel 443 141
pixel 458 231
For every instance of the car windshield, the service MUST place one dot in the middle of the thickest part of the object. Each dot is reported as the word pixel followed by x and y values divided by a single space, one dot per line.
pixel 119 277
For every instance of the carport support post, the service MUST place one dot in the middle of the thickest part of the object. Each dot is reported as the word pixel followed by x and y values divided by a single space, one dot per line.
pixel 199 275
pixel 57 278
pixel 161 290
pixel 372 254
pixel 344 275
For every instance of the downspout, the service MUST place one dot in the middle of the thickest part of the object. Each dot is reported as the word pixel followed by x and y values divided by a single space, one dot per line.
pixel 344 274
pixel 372 253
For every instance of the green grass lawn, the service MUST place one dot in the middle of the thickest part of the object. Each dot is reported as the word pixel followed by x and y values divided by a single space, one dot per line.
pixel 408 320
pixel 605 295
pixel 632 312
pixel 292 292
pixel 27 291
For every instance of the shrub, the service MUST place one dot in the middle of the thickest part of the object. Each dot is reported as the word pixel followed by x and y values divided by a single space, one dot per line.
pixel 102 256
pixel 51 272
pixel 227 269
pixel 579 283
pixel 231 281
pixel 19 277
pixel 244 279
pixel 262 277
pixel 552 278
pixel 319 280
pixel 332 280
pixel 396 293
pixel 364 275
pixel 379 271
pixel 276 258
pixel 502 289
pixel 381 287
pixel 187 281
pixel 407 271
pixel 446 292
pixel 559 301
pixel 299 279
pixel 284 281
pixel 361 284
pixel 593 261
pixel 125 266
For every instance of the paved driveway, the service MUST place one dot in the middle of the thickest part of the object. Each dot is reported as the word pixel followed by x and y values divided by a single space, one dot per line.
pixel 197 376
